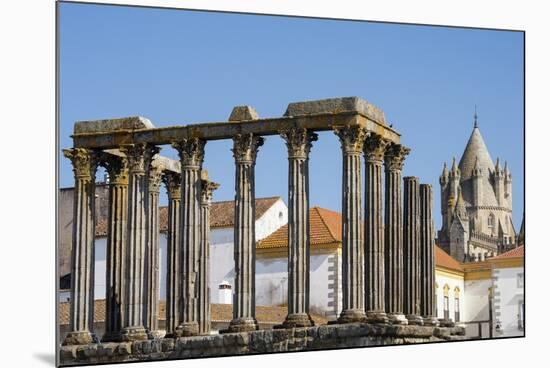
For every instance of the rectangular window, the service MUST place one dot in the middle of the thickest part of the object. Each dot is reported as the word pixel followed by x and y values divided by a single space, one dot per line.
pixel 446 307
pixel 520 280
pixel 457 310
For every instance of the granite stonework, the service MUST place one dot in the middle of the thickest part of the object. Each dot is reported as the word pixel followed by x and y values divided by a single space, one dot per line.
pixel 258 342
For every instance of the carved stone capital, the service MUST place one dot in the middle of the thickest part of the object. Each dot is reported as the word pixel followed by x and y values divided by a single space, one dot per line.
pixel 116 166
pixel 352 138
pixel 395 157
pixel 84 162
pixel 374 149
pixel 191 152
pixel 245 147
pixel 155 176
pixel 298 141
pixel 139 156
pixel 207 189
pixel 172 181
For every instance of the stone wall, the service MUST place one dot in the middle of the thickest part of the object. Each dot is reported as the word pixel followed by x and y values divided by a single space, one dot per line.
pixel 258 342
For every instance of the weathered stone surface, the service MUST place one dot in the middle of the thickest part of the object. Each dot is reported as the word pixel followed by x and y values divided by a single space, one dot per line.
pixel 254 342
pixel 106 125
pixel 241 113
pixel 336 105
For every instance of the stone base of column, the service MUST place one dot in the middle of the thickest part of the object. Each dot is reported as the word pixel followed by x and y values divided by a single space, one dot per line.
pixel 79 338
pixel 111 337
pixel 430 321
pixel 297 320
pixel 133 334
pixel 377 317
pixel 397 319
pixel 446 322
pixel 352 316
pixel 187 329
pixel 155 334
pixel 415 319
pixel 242 325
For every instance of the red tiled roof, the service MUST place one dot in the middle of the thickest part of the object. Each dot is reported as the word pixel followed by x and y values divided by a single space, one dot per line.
pixel 221 214
pixel 513 253
pixel 442 259
pixel 220 312
pixel 325 227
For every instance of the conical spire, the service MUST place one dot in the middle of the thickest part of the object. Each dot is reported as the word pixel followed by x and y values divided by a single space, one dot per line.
pixel 460 208
pixel 443 179
pixel 497 166
pixel 454 169
pixel 475 148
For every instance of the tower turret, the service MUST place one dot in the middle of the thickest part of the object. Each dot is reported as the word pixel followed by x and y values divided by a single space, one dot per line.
pixel 477 185
pixel 498 183
pixel 454 180
pixel 508 185
pixel 444 184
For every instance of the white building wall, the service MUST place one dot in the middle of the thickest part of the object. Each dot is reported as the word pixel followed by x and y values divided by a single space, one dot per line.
pixel 453 282
pixel 477 294
pixel 508 298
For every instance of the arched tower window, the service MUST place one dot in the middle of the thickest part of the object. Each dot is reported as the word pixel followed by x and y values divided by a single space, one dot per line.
pixel 491 221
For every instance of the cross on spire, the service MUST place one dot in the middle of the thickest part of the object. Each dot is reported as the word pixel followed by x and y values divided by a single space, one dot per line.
pixel 475 116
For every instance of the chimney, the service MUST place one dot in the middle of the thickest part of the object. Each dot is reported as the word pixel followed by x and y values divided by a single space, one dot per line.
pixel 225 296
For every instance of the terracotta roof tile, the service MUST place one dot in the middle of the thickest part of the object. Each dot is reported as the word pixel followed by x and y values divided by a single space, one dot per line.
pixel 442 259
pixel 220 312
pixel 325 227
pixel 221 215
pixel 516 252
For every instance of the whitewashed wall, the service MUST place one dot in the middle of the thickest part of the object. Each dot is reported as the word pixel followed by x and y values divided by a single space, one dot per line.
pixel 508 297
pixel 477 294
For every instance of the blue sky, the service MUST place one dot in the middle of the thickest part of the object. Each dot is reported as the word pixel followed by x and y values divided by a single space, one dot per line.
pixel 181 67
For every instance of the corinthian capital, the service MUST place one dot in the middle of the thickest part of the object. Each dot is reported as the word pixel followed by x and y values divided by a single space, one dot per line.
pixel 139 156
pixel 352 138
pixel 116 166
pixel 191 151
pixel 245 147
pixel 298 141
pixel 395 157
pixel 84 162
pixel 374 149
pixel 207 189
pixel 155 176
pixel 172 181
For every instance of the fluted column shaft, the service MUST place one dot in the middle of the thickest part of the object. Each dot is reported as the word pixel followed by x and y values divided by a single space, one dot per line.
pixel 298 142
pixel 139 161
pixel 352 141
pixel 374 237
pixel 153 251
pixel 427 256
pixel 245 148
pixel 204 266
pixel 117 167
pixel 173 285
pixel 393 233
pixel 411 250
pixel 191 153
pixel 82 258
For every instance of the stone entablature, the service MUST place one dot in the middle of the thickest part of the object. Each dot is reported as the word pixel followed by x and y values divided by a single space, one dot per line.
pixel 363 133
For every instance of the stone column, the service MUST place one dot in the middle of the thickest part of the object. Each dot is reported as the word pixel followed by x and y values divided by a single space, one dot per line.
pixel 393 233
pixel 117 168
pixel 352 140
pixel 139 161
pixel 411 250
pixel 204 312
pixel 374 150
pixel 152 265
pixel 191 153
pixel 427 257
pixel 172 181
pixel 82 258
pixel 298 142
pixel 245 149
